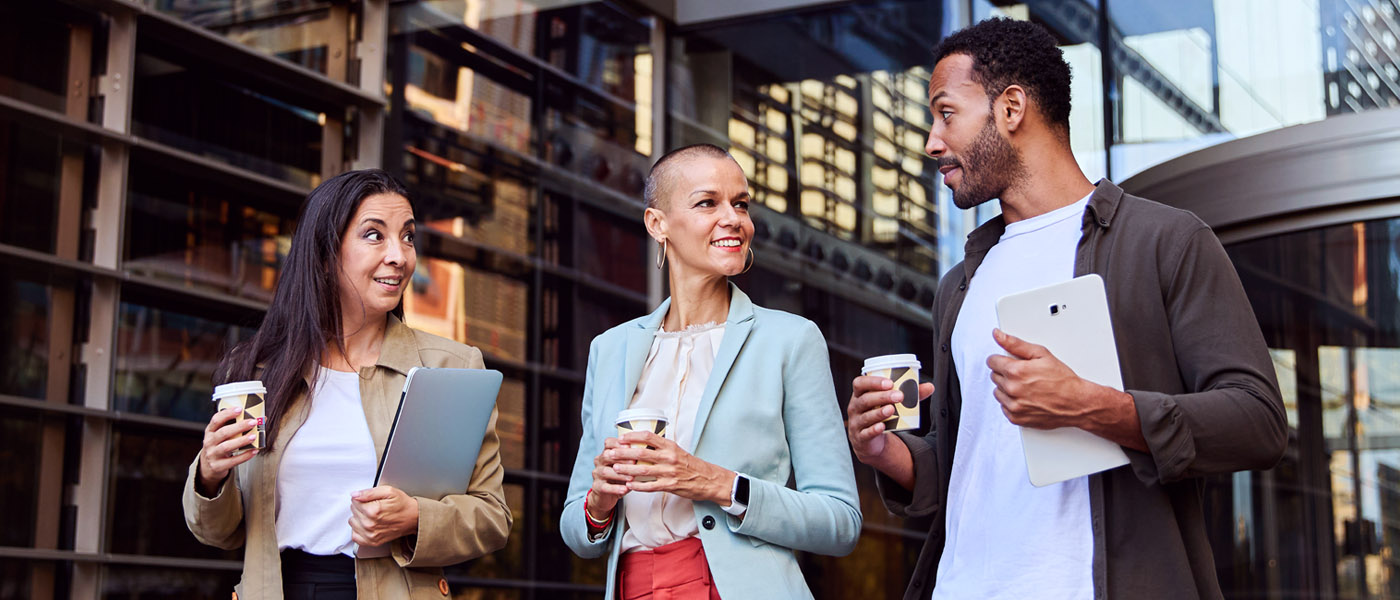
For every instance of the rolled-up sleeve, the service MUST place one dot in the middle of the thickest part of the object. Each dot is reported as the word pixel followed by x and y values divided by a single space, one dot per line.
pixel 923 499
pixel 1232 418
pixel 216 521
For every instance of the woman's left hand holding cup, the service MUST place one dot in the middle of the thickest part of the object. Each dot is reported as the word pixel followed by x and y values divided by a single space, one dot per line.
pixel 381 515
pixel 676 471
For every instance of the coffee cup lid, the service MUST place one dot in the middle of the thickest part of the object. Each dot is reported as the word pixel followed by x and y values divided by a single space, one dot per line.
pixel 239 388
pixel 890 361
pixel 638 414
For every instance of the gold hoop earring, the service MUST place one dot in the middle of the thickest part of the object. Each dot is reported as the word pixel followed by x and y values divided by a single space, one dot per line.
pixel 752 259
pixel 661 256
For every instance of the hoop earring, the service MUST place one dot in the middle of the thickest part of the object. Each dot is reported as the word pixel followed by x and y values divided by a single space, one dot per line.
pixel 752 259
pixel 661 256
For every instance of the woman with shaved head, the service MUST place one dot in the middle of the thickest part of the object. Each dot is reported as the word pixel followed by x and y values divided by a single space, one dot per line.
pixel 705 511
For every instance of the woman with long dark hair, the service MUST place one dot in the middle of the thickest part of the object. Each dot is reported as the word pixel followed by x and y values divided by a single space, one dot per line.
pixel 333 353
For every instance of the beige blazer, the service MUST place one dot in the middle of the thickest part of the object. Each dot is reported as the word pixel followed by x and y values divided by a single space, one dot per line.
pixel 451 530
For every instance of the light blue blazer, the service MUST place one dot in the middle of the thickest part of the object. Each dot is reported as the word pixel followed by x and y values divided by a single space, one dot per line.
pixel 768 411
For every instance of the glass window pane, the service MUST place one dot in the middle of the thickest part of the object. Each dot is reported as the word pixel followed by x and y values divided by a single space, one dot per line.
pixel 1328 302
pixel 182 103
pixel 125 582
pixel 20 432
pixel 616 249
pixel 308 33
pixel 1197 73
pixel 199 235
pixel 566 566
pixel 145 517
pixel 31 175
pixel 24 337
pixel 34 54
pixel 165 360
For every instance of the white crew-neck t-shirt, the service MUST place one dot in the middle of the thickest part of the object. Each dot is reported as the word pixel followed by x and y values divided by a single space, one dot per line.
pixel 1006 538
pixel 330 457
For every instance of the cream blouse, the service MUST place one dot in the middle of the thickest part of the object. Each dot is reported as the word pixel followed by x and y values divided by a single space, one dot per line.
pixel 677 369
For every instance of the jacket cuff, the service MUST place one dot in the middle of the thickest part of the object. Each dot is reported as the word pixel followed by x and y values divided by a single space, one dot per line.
pixel 221 513
pixel 1171 446
pixel 759 490
pixel 431 517
pixel 923 499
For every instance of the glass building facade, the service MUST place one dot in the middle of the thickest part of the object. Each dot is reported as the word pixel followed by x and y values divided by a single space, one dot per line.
pixel 154 153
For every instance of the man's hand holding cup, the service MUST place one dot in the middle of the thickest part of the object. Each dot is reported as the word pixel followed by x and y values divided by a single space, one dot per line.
pixel 884 398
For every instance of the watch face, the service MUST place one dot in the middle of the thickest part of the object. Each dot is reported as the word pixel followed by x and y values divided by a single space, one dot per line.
pixel 741 494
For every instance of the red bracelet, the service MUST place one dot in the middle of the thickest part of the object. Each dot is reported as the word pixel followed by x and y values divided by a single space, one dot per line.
pixel 594 523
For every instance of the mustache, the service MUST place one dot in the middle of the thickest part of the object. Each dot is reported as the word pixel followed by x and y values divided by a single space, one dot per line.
pixel 949 161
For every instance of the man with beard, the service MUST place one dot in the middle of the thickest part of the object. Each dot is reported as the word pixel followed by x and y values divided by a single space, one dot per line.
pixel 1202 398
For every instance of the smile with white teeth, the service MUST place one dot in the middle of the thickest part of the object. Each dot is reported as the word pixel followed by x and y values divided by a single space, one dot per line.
pixel 729 243
pixel 388 281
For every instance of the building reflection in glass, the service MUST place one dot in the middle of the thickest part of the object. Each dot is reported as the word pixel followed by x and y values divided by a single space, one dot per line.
pixel 1328 301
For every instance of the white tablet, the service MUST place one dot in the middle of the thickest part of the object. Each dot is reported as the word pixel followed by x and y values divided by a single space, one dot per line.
pixel 437 433
pixel 1071 320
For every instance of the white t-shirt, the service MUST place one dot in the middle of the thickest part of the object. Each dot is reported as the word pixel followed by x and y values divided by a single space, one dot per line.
pixel 1007 538
pixel 330 457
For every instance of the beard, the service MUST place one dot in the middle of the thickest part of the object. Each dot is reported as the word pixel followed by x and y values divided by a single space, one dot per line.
pixel 994 163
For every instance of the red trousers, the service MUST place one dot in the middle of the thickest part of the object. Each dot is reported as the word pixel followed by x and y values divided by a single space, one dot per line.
pixel 676 571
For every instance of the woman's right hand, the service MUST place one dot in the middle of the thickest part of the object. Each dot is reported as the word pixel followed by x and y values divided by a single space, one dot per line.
pixel 220 439
pixel 608 485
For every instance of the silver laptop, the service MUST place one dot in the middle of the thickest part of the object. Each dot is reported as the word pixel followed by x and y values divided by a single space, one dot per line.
pixel 1071 320
pixel 437 433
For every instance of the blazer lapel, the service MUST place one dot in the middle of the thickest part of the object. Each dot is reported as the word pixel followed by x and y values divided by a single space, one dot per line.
pixel 639 341
pixel 736 332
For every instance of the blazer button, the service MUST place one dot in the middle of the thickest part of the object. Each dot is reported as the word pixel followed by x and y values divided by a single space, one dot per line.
pixel 962 287
pixel 708 522
pixel 944 347
pixel 942 412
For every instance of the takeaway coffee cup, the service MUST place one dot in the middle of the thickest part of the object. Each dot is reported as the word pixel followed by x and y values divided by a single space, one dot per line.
pixel 642 419
pixel 903 370
pixel 248 397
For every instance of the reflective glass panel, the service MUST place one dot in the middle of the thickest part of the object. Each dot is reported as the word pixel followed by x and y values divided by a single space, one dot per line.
pixel 1195 73
pixel 35 165
pixel 125 582
pixel 1328 301
pixel 165 359
pixel 20 432
pixel 148 471
pixel 181 102
pixel 34 46
pixel 206 236
pixel 308 33
pixel 24 337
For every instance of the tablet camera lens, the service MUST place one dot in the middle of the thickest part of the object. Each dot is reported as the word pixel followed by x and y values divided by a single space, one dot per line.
pixel 1054 309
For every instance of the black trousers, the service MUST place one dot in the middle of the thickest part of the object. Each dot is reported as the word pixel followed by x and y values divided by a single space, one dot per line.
pixel 313 577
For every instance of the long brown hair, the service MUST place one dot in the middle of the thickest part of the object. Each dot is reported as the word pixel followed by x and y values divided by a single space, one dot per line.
pixel 304 317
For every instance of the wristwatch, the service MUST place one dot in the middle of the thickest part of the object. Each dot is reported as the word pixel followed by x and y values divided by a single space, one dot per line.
pixel 738 496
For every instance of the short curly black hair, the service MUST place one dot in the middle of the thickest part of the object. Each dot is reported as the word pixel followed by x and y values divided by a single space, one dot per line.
pixel 1006 52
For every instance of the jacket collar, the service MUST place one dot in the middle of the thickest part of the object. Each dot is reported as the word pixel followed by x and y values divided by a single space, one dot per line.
pixel 400 348
pixel 1103 207
pixel 740 310
pixel 398 352
pixel 639 340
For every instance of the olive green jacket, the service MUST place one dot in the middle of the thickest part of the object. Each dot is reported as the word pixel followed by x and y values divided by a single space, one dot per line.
pixel 451 530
